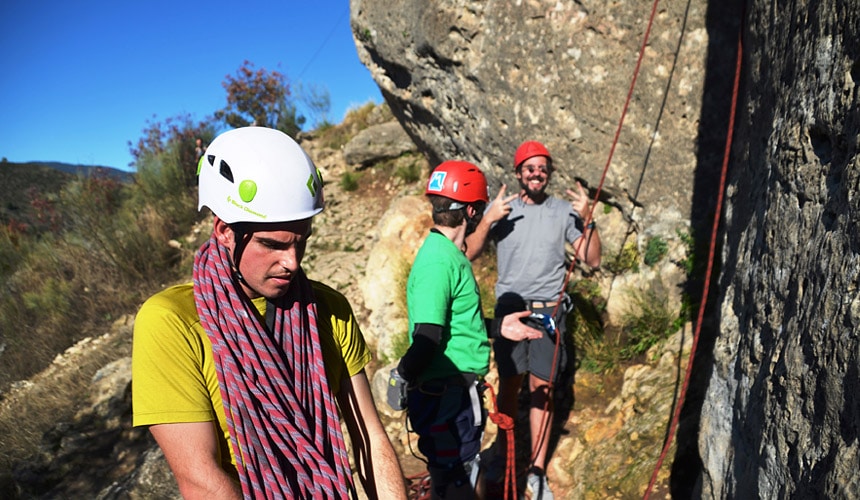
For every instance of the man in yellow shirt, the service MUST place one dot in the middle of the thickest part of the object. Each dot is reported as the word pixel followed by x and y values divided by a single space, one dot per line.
pixel 241 374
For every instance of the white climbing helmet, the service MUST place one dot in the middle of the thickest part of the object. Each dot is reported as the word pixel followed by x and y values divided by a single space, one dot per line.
pixel 258 174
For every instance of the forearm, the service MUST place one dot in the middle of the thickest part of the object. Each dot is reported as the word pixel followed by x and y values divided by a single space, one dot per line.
pixel 386 469
pixel 494 327
pixel 592 247
pixel 588 247
pixel 425 340
pixel 192 453
pixel 376 463
pixel 216 484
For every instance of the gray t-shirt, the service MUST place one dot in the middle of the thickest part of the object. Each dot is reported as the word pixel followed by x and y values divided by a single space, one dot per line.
pixel 530 248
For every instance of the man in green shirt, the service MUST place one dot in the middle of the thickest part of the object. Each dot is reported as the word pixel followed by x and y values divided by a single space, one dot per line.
pixel 450 350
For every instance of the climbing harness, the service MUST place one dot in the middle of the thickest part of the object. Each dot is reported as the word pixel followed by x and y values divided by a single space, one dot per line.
pixel 419 485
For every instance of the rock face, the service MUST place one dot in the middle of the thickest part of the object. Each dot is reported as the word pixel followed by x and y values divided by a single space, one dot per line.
pixel 378 142
pixel 473 80
pixel 782 411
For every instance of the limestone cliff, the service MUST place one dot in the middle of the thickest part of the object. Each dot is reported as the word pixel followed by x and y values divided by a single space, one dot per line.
pixel 782 411
pixel 472 80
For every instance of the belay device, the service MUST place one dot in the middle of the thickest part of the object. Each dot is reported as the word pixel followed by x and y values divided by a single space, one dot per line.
pixel 546 322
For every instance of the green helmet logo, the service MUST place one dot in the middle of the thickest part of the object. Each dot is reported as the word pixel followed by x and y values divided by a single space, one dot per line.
pixel 247 190
pixel 313 185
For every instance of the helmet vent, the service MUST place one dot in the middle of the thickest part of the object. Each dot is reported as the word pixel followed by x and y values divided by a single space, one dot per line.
pixel 225 171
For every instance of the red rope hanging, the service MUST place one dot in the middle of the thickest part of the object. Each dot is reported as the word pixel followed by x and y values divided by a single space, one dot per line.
pixel 506 424
pixel 589 218
pixel 717 213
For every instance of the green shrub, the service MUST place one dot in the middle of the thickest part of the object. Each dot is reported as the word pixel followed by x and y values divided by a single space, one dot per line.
pixel 13 247
pixel 655 250
pixel 349 181
pixel 335 137
pixel 690 244
pixel 648 322
pixel 400 343
pixel 625 260
pixel 399 346
pixel 40 310
pixel 409 173
pixel 585 328
pixel 107 250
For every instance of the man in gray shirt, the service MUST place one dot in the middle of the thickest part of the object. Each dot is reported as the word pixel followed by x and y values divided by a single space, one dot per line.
pixel 530 230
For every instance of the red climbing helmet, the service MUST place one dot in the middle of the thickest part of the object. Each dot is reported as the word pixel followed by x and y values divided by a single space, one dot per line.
pixel 529 149
pixel 459 180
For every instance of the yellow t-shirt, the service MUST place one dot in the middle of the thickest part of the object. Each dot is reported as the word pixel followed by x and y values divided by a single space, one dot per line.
pixel 173 372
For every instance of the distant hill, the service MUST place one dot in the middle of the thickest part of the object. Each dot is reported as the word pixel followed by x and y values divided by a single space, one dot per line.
pixel 19 180
pixel 85 170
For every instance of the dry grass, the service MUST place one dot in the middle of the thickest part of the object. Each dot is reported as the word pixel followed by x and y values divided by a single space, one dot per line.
pixel 357 119
pixel 55 394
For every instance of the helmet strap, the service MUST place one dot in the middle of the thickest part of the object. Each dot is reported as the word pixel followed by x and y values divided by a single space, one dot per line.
pixel 239 235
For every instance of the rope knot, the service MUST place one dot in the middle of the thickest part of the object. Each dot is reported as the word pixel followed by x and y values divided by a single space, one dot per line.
pixel 505 422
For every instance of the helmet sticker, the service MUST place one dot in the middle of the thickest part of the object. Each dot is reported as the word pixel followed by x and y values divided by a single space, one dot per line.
pixel 246 208
pixel 247 190
pixel 437 181
pixel 313 185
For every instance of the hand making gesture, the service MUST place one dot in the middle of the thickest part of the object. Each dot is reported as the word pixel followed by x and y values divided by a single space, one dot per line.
pixel 500 207
pixel 498 210
pixel 579 201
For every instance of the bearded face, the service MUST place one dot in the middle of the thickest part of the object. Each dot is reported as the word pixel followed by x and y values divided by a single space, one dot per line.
pixel 533 176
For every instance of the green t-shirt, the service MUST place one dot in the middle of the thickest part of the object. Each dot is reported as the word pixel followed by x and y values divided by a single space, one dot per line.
pixel 173 372
pixel 442 291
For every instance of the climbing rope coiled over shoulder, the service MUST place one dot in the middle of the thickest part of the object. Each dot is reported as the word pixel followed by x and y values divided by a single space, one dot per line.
pixel 281 413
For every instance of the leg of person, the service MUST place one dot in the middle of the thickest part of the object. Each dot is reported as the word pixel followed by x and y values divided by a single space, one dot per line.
pixel 540 419
pixel 508 401
pixel 540 423
pixel 450 430
pixel 546 360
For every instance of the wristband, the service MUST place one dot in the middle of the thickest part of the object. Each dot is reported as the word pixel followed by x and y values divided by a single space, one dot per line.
pixel 591 225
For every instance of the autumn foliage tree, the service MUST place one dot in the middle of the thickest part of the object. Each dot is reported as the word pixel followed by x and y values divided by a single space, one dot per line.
pixel 260 97
pixel 171 145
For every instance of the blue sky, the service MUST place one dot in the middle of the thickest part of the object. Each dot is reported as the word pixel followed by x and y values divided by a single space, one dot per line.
pixel 80 79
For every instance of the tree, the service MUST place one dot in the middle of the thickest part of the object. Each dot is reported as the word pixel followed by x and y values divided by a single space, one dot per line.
pixel 260 97
pixel 318 103
pixel 171 144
